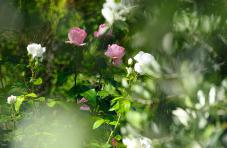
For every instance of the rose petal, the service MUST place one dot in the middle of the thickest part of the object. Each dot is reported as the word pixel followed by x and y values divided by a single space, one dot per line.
pixel 85 107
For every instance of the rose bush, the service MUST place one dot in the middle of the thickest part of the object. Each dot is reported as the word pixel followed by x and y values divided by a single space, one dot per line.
pixel 113 73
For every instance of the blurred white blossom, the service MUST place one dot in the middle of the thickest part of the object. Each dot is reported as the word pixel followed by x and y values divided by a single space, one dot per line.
pixel 11 99
pixel 124 83
pixel 137 142
pixel 212 94
pixel 113 10
pixel 201 98
pixel 36 50
pixel 146 61
pixel 182 116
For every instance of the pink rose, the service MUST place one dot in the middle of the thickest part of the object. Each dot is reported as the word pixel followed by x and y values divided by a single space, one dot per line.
pixel 115 52
pixel 85 107
pixel 82 100
pixel 102 30
pixel 76 36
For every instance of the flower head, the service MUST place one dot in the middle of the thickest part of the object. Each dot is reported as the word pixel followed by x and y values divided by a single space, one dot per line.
pixel 137 142
pixel 115 52
pixel 103 28
pixel 76 36
pixel 11 99
pixel 113 10
pixel 82 100
pixel 36 50
pixel 85 107
pixel 144 61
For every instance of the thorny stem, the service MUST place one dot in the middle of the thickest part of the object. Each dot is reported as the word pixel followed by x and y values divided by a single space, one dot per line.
pixel 115 127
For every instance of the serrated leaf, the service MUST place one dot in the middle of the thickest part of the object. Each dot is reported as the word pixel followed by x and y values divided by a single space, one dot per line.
pixel 98 123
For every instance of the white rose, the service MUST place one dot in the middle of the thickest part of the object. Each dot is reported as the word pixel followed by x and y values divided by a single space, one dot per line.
pixel 11 99
pixel 113 10
pixel 138 68
pixel 145 61
pixel 36 50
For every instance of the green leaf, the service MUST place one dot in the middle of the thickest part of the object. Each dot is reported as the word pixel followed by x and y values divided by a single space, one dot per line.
pixel 126 105
pixel 18 103
pixel 98 123
pixel 118 137
pixel 103 93
pixel 90 95
pixel 115 107
pixel 38 81
pixel 42 99
pixel 51 103
pixel 115 100
pixel 33 95
pixel 113 123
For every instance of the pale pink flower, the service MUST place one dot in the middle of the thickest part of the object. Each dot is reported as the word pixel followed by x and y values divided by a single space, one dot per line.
pixel 85 107
pixel 103 28
pixel 76 36
pixel 82 100
pixel 115 52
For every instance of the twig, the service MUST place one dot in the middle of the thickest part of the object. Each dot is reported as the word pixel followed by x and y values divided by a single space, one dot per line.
pixel 115 127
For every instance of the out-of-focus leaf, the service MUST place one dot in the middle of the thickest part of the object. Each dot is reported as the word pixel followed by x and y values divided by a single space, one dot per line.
pixel 38 81
pixel 98 123
pixel 103 93
pixel 32 95
pixel 18 103
pixel 51 103
pixel 115 107
pixel 126 105
pixel 118 137
pixel 90 95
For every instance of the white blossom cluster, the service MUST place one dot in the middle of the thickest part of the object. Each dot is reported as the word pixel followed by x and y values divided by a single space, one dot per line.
pixel 113 10
pixel 137 142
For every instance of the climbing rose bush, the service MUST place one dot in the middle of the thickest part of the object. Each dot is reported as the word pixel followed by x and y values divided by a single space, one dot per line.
pixel 113 74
